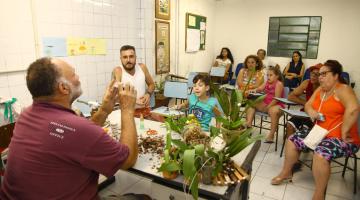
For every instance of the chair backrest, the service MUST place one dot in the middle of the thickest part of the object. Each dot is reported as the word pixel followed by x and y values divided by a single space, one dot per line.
pixel 286 92
pixel 191 78
pixel 238 68
pixel 346 76
pixel 152 100
pixel 306 74
pixel 6 133
pixel 237 71
pixel 177 90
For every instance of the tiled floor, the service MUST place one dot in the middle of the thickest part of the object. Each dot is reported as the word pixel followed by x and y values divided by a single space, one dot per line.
pixel 267 164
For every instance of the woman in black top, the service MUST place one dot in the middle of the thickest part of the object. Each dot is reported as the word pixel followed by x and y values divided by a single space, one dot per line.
pixel 294 71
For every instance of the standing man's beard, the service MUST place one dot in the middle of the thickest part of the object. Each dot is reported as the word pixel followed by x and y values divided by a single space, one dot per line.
pixel 126 66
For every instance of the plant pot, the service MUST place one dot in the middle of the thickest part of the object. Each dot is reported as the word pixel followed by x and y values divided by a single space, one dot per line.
pixel 206 172
pixel 161 100
pixel 169 175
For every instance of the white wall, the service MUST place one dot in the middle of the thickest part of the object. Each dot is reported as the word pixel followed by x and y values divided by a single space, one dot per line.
pixel 242 25
pixel 120 22
pixel 200 60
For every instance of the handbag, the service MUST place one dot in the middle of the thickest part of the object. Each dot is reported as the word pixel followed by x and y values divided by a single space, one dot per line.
pixel 317 133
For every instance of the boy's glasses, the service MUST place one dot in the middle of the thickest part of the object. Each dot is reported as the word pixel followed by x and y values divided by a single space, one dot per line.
pixel 323 74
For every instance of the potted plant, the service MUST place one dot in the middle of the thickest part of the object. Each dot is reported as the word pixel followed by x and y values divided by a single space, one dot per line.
pixel 160 99
pixel 171 165
pixel 194 158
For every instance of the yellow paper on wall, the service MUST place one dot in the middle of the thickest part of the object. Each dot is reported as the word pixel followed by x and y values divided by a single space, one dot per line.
pixel 76 46
pixel 192 20
pixel 97 46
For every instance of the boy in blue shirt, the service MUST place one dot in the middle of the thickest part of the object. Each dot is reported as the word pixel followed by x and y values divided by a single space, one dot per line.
pixel 200 103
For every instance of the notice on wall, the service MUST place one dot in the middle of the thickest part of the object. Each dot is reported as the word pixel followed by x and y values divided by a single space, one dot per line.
pixel 85 46
pixel 193 40
pixel 54 46
pixel 192 20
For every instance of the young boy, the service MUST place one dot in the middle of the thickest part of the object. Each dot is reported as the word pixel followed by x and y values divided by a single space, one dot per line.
pixel 200 103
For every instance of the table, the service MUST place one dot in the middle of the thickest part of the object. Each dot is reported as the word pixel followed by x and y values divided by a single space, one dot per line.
pixel 147 164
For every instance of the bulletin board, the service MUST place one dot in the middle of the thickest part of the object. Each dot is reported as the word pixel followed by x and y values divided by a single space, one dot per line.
pixel 195 35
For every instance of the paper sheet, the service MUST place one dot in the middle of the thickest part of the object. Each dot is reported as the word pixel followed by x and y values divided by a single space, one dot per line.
pixel 192 40
pixel 54 46
pixel 192 20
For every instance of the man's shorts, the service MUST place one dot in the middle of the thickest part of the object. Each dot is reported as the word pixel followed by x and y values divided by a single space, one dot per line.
pixel 328 148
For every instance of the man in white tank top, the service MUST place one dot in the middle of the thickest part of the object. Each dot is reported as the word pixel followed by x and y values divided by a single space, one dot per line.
pixel 136 74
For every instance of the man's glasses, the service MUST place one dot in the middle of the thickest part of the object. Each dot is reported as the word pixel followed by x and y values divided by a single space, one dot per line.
pixel 323 74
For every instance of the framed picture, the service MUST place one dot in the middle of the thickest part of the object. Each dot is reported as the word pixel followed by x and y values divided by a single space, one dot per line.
pixel 162 46
pixel 162 9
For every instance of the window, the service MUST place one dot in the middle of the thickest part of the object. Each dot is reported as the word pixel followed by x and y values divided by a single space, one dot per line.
pixel 288 34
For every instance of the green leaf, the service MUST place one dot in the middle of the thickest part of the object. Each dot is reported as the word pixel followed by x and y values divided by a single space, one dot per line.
pixel 182 145
pixel 166 156
pixel 239 96
pixel 194 188
pixel 214 131
pixel 226 104
pixel 170 167
pixel 236 124
pixel 211 153
pixel 189 163
pixel 223 120
pixel 234 114
pixel 240 137
pixel 168 141
pixel 199 149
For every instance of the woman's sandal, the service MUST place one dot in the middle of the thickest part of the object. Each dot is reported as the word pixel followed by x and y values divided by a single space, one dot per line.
pixel 277 180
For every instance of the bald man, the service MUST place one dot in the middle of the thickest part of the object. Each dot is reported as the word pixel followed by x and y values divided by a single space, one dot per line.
pixel 55 154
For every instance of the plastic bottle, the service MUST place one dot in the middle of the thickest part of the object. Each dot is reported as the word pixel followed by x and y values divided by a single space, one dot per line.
pixel 142 127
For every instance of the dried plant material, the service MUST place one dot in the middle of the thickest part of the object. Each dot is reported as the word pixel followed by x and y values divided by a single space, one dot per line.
pixel 153 145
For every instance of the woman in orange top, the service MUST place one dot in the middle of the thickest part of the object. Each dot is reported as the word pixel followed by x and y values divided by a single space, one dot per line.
pixel 337 102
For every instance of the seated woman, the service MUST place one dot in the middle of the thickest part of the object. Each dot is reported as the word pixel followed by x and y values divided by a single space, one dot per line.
pixel 250 73
pixel 308 86
pixel 226 60
pixel 294 71
pixel 272 88
pixel 336 101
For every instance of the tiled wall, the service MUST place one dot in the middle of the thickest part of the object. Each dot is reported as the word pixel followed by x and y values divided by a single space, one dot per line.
pixel 120 22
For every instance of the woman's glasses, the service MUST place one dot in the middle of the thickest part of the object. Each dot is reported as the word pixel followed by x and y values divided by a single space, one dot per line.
pixel 323 74
pixel 315 74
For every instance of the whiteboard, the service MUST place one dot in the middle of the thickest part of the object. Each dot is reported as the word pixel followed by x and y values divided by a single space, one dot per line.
pixel 17 45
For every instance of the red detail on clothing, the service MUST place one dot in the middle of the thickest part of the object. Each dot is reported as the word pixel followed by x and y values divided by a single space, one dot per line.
pixel 333 110
pixel 309 90
pixel 55 154
pixel 270 93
